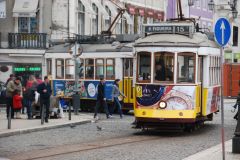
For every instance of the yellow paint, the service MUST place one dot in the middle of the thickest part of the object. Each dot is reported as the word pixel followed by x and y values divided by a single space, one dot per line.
pixel 153 113
pixel 204 101
pixel 129 91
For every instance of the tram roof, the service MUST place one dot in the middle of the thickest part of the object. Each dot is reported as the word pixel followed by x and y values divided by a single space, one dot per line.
pixel 176 40
pixel 117 47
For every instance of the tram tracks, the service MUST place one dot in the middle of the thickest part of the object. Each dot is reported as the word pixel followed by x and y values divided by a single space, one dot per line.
pixel 81 147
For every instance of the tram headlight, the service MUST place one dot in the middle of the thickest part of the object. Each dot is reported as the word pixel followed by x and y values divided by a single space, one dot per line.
pixel 162 104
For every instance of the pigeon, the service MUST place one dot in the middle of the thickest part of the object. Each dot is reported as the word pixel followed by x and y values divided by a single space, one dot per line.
pixel 72 125
pixel 99 128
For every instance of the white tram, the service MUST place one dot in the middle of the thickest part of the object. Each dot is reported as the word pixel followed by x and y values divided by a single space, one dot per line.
pixel 111 61
pixel 177 76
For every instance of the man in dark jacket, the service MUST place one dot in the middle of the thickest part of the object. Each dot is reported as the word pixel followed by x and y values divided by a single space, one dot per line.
pixel 101 100
pixel 45 91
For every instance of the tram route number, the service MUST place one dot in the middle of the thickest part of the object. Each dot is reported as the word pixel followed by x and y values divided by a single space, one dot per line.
pixel 168 29
pixel 139 91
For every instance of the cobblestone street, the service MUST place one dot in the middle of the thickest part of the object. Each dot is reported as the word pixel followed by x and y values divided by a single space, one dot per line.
pixel 137 144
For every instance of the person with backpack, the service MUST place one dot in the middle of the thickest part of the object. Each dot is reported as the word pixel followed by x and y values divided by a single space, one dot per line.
pixel 17 103
pixel 11 87
pixel 31 87
pixel 115 94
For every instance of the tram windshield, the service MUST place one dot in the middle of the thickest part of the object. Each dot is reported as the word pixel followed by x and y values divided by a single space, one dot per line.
pixel 144 69
pixel 186 67
pixel 164 66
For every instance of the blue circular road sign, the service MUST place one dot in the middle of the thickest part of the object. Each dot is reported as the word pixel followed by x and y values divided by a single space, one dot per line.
pixel 222 31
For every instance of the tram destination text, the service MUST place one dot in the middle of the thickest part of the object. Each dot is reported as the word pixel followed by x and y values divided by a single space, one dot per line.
pixel 168 29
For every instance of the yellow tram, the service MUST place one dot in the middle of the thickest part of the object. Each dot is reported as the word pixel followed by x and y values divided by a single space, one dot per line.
pixel 177 76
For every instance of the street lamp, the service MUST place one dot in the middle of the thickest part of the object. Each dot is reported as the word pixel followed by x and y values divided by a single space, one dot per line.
pixel 233 4
pixel 190 2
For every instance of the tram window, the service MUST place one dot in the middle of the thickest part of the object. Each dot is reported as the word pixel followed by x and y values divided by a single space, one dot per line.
pixel 144 67
pixel 69 69
pixel 164 66
pixel 200 67
pixel 99 68
pixel 214 70
pixel 128 70
pixel 81 76
pixel 59 68
pixel 110 69
pixel 186 67
pixel 49 67
pixel 89 68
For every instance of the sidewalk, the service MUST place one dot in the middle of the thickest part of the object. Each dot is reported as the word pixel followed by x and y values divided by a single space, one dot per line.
pixel 215 153
pixel 20 126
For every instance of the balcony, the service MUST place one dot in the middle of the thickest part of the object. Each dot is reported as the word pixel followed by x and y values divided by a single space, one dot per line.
pixel 27 40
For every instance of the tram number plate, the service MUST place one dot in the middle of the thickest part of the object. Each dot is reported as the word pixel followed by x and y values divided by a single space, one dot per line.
pixel 168 29
pixel 161 119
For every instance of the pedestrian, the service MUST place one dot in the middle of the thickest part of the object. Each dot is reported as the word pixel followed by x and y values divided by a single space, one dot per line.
pixel 17 103
pixel 115 95
pixel 11 87
pixel 101 99
pixel 39 79
pixel 45 91
pixel 31 87
pixel 11 77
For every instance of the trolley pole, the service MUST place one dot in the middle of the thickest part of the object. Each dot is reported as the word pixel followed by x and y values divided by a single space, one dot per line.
pixel 222 105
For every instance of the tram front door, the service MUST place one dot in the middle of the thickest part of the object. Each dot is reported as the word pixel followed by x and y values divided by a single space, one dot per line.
pixel 128 88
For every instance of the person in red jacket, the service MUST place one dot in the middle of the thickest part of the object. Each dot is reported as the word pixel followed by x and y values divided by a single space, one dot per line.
pixel 17 102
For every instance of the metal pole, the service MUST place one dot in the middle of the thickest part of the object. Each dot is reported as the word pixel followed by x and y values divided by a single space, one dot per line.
pixel 222 105
pixel 69 113
pixel 42 114
pixel 76 97
pixel 9 117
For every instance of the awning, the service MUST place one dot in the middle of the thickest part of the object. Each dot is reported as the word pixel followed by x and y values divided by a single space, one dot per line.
pixel 88 7
pixel 101 8
pixel 25 8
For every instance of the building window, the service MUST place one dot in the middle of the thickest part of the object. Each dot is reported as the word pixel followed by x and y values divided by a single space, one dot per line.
pixel 164 66
pixel 144 67
pixel 59 68
pixel 110 69
pixel 235 36
pixel 69 69
pixel 140 24
pixel 27 25
pixel 95 20
pixel 186 68
pixel 89 68
pixel 99 68
pixel 49 67
pixel 81 18
pixel 108 21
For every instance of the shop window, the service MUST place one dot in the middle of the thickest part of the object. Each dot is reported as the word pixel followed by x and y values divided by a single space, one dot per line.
pixel 144 67
pixel 89 68
pixel 164 66
pixel 186 68
pixel 99 68
pixel 59 69
pixel 110 69
pixel 49 67
pixel 69 69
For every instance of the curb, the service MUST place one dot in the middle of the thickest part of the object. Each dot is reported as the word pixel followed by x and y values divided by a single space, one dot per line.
pixel 42 128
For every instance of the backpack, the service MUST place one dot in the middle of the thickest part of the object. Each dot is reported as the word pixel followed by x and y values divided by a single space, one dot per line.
pixel 30 94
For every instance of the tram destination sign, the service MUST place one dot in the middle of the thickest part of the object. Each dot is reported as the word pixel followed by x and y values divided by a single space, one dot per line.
pixel 174 29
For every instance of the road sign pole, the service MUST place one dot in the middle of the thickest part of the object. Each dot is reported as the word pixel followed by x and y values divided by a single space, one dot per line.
pixel 222 106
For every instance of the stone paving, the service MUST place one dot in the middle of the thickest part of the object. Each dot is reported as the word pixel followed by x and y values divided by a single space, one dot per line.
pixel 23 125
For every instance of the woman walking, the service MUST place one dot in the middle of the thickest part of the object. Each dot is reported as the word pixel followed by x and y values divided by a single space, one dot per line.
pixel 115 94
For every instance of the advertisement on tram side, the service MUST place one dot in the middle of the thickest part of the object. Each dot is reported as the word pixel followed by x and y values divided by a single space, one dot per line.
pixel 88 89
pixel 213 99
pixel 176 97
